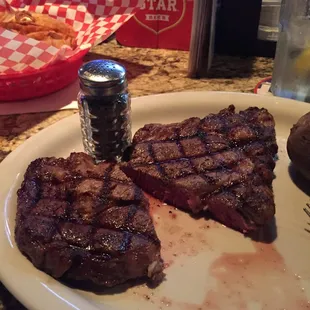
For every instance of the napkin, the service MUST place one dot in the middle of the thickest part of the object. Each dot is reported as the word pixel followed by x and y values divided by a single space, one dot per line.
pixel 62 100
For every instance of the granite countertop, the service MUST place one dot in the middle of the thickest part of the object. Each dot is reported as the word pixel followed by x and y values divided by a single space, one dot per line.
pixel 150 71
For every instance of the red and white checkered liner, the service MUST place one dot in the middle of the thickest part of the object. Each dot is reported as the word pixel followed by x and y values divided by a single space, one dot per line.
pixel 93 20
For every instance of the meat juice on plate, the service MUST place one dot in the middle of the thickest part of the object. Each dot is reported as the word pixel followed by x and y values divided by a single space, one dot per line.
pixel 208 266
pixel 254 279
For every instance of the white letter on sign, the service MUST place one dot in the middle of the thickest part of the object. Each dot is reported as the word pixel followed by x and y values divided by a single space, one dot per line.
pixel 172 5
pixel 151 4
pixel 161 5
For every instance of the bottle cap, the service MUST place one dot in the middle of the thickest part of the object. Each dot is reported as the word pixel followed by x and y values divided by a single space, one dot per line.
pixel 102 77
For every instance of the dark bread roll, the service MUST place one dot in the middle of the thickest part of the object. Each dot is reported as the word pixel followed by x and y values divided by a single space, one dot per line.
pixel 298 145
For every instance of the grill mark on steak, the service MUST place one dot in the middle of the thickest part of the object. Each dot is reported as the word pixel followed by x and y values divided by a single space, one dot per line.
pixel 107 179
pixel 199 162
pixel 126 242
pixel 181 149
pixel 258 148
pixel 91 223
pixel 159 168
pixel 131 214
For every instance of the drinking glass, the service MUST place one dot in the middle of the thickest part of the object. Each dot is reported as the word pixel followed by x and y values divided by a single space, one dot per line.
pixel 291 74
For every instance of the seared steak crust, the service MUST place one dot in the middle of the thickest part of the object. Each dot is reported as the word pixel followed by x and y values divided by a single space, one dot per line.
pixel 222 163
pixel 77 220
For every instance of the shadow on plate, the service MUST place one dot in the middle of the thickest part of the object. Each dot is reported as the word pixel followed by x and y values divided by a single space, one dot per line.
pixel 299 180
pixel 267 234
pixel 118 289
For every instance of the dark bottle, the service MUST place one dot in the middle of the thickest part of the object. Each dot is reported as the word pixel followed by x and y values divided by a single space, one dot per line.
pixel 104 107
pixel 237 28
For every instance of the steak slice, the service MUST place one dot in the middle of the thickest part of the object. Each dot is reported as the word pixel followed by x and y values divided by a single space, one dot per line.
pixel 222 163
pixel 86 222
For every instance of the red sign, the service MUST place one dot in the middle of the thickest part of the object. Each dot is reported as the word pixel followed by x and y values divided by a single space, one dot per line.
pixel 159 24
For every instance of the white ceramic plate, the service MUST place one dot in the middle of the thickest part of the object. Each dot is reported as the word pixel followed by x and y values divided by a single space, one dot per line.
pixel 208 266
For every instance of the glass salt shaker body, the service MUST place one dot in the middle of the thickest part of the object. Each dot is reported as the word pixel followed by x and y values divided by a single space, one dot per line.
pixel 104 108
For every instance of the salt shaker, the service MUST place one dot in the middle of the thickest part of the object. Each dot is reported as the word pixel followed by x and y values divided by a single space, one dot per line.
pixel 104 108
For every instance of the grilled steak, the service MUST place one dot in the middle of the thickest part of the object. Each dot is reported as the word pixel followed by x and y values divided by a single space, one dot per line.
pixel 222 163
pixel 86 222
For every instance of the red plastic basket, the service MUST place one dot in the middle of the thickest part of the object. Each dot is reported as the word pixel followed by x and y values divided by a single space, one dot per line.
pixel 21 86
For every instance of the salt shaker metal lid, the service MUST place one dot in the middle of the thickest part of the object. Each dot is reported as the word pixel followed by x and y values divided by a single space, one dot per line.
pixel 102 77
